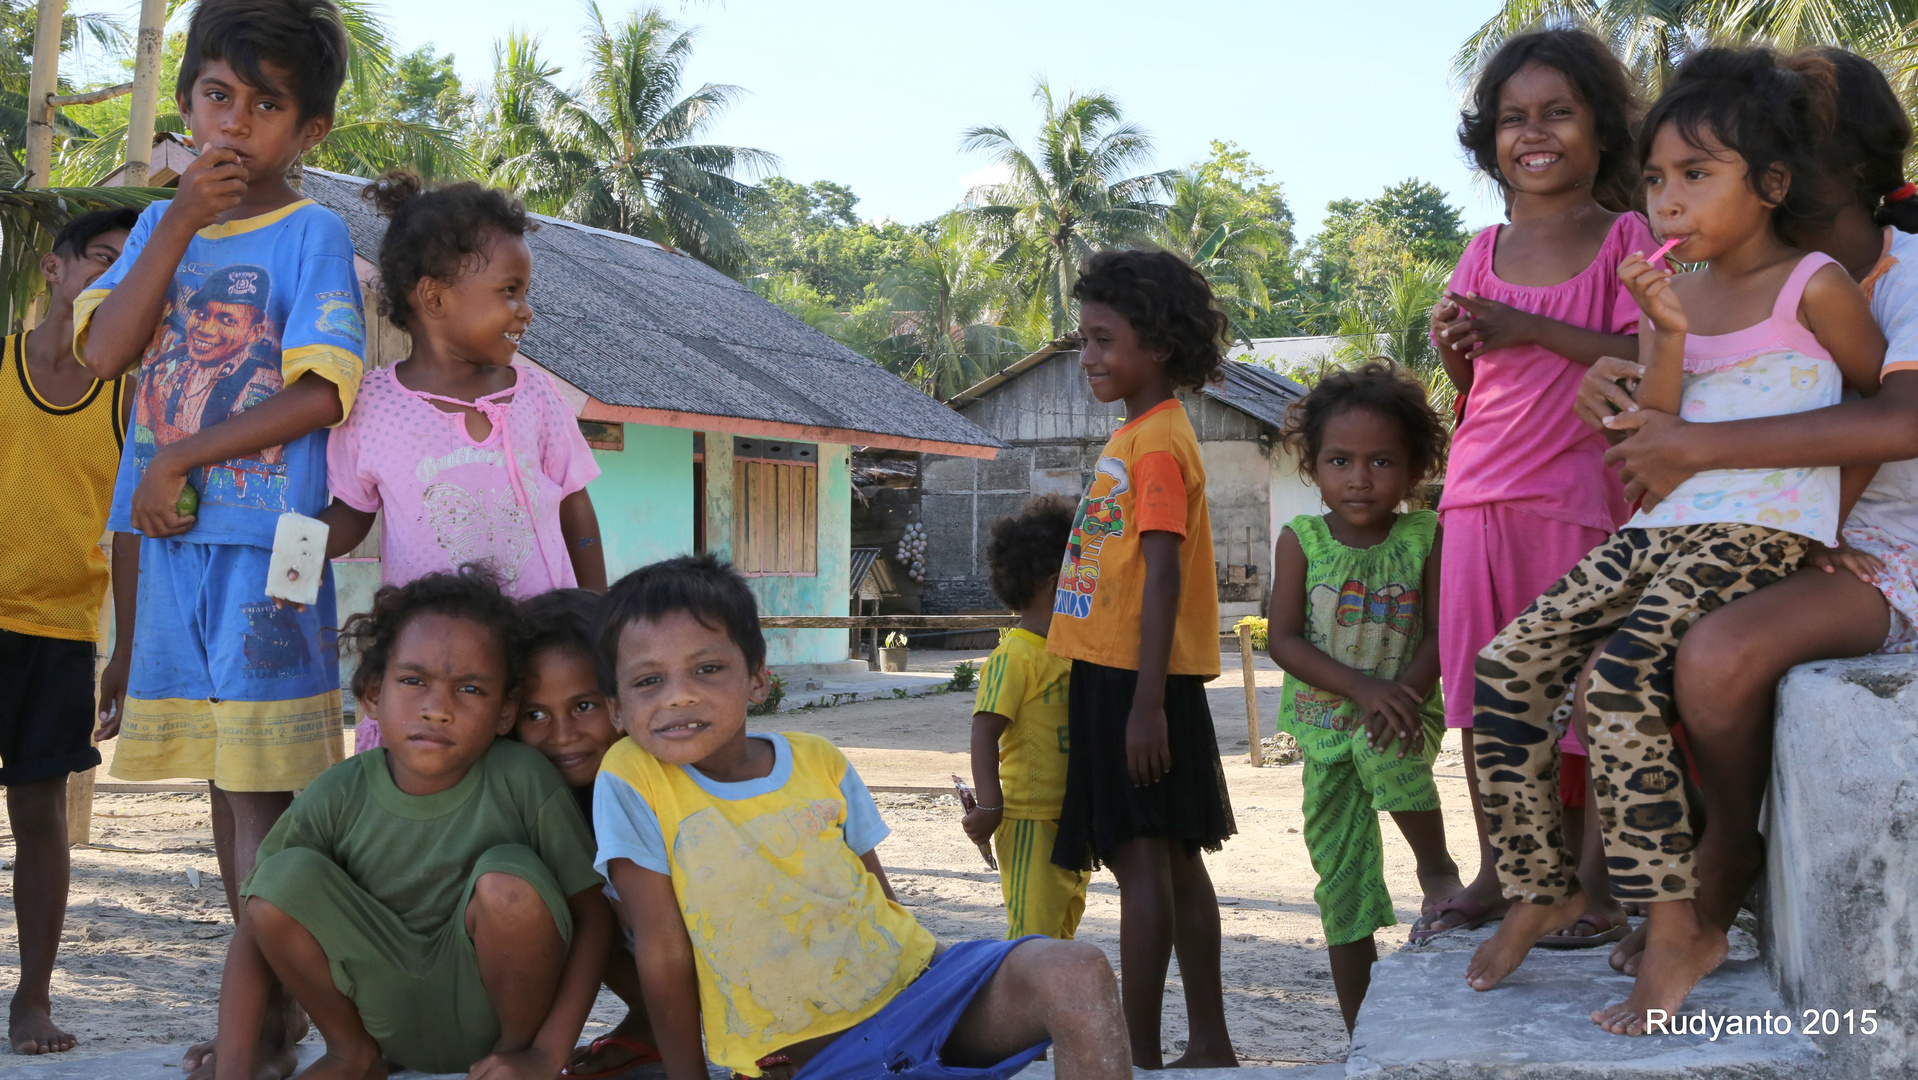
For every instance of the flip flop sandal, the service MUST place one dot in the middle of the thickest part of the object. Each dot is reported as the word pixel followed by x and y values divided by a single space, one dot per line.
pixel 1607 933
pixel 1476 915
pixel 643 1054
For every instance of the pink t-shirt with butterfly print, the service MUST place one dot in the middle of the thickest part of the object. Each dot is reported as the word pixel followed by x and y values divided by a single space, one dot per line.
pixel 445 499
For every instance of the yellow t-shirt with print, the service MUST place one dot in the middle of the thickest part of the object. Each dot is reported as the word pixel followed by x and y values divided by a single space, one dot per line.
pixel 792 937
pixel 1027 685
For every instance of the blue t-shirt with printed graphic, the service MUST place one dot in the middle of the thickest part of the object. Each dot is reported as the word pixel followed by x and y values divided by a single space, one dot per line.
pixel 254 305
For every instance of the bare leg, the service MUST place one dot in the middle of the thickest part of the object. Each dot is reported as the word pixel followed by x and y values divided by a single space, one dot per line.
pixel 1352 975
pixel 521 955
pixel 42 866
pixel 1424 831
pixel 1146 928
pixel 1680 949
pixel 300 968
pixel 622 978
pixel 1484 889
pixel 1058 990
pixel 1196 907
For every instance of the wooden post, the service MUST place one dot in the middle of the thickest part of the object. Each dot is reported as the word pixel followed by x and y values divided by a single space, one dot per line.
pixel 145 106
pixel 1251 695
pixel 43 81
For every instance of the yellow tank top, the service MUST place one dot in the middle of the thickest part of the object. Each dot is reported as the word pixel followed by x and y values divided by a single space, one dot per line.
pixel 792 937
pixel 57 464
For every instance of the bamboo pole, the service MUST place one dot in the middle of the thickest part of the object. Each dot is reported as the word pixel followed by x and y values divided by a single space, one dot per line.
pixel 1251 696
pixel 146 92
pixel 44 79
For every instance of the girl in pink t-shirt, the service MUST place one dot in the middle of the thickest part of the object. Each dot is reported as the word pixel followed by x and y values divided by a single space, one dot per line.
pixel 1531 305
pixel 466 455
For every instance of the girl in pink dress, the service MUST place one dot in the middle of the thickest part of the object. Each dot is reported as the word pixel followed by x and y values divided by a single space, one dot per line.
pixel 1531 305
pixel 467 454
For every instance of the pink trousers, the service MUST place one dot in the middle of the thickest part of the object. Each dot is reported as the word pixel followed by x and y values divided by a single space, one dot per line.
pixel 1494 562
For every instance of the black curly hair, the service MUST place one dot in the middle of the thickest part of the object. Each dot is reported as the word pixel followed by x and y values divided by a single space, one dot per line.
pixel 306 37
pixel 1870 140
pixel 439 234
pixel 1600 81
pixel 1027 547
pixel 472 593
pixel 1169 304
pixel 1773 112
pixel 1379 385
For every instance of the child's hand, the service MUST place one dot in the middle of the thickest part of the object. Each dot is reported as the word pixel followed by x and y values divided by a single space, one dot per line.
pixel 1651 286
pixel 155 504
pixel 1148 753
pixel 113 695
pixel 1395 706
pixel 1600 397
pixel 1491 325
pixel 528 1064
pixel 214 183
pixel 1833 559
pixel 1448 327
pixel 981 824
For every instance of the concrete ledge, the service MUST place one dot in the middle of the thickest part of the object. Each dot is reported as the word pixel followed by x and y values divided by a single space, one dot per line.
pixel 159 1062
pixel 1841 925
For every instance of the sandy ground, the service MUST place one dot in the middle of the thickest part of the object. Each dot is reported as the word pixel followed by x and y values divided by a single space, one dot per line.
pixel 140 959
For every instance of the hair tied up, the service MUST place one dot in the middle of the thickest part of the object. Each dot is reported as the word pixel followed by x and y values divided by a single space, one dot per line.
pixel 392 190
pixel 1903 192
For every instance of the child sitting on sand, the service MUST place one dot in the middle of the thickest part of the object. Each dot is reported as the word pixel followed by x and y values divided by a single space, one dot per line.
pixel 431 902
pixel 1019 729
pixel 749 862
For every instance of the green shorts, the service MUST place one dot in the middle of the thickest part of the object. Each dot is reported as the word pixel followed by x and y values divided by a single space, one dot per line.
pixel 420 995
pixel 1347 786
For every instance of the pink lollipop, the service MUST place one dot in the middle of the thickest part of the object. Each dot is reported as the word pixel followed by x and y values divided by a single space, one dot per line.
pixel 1667 246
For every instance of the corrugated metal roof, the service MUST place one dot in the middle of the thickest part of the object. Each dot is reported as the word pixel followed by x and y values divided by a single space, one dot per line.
pixel 637 325
pixel 1257 391
pixel 862 560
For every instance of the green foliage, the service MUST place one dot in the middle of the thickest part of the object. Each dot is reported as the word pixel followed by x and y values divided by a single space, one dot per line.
pixel 810 232
pixel 774 696
pixel 964 674
pixel 1261 639
pixel 30 219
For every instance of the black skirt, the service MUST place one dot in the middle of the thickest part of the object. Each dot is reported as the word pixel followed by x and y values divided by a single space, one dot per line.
pixel 1103 810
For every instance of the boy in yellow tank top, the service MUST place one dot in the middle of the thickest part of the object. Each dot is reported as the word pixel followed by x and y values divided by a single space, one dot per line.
pixel 744 869
pixel 1020 731
pixel 60 434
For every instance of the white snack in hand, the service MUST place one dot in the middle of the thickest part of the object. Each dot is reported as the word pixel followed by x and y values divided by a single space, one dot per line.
pixel 299 559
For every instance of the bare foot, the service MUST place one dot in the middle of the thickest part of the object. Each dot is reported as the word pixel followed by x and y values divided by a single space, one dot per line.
pixel 197 1055
pixel 1626 954
pixel 329 1067
pixel 1438 888
pixel 626 1046
pixel 1680 949
pixel 1482 902
pixel 1504 951
pixel 31 1030
pixel 1202 1058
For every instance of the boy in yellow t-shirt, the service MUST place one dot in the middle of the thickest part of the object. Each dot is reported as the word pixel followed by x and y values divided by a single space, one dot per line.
pixel 1020 732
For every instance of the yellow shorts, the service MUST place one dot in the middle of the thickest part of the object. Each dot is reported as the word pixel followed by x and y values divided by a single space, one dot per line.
pixel 239 745
pixel 1040 898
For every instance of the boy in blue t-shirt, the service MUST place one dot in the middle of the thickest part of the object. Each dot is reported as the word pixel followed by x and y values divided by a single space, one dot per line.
pixel 238 301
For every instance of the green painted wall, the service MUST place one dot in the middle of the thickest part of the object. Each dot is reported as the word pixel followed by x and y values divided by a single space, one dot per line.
pixel 824 593
pixel 644 498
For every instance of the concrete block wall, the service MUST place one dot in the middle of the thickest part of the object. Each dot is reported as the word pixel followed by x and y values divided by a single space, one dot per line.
pixel 1841 919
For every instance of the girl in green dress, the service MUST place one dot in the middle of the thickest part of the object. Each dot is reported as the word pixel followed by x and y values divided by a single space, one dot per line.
pixel 1354 625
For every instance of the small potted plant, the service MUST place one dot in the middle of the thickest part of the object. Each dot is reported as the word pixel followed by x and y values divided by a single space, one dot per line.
pixel 893 656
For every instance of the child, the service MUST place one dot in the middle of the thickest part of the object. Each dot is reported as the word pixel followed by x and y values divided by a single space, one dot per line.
pixel 1354 595
pixel 563 714
pixel 60 434
pixel 748 863
pixel 431 903
pixel 1531 304
pixel 1729 165
pixel 1019 730
pixel 238 300
pixel 474 458
pixel 1144 789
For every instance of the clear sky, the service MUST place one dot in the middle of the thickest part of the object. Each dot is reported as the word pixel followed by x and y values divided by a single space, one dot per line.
pixel 1337 99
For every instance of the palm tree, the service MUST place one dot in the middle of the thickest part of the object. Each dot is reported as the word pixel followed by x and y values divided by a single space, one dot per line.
pixel 1391 319
pixel 620 152
pixel 1067 196
pixel 1211 228
pixel 952 302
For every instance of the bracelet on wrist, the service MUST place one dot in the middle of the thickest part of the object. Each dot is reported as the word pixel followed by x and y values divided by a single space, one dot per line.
pixel 978 807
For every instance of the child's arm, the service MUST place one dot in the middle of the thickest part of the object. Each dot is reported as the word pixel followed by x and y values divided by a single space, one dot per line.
pixel 578 989
pixel 1448 335
pixel 663 953
pixel 346 528
pixel 1493 325
pixel 579 524
pixel 1836 311
pixel 1662 350
pixel 122 326
pixel 983 820
pixel 126 595
pixel 244 986
pixel 1286 642
pixel 308 405
pixel 871 859
pixel 1148 752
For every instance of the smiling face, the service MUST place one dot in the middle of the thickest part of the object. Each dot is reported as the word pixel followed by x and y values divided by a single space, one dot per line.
pixel 481 315
pixel 1701 194
pixel 684 688
pixel 219 333
pixel 564 715
pixel 441 701
pixel 260 124
pixel 1116 364
pixel 1547 136
pixel 1363 466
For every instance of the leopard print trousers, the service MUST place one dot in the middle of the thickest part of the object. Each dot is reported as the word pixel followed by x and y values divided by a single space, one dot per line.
pixel 1632 599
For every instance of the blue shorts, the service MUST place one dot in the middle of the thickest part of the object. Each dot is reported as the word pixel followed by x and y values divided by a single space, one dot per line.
pixel 227 685
pixel 905 1037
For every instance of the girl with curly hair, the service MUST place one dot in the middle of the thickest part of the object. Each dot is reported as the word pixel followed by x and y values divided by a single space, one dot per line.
pixel 1137 614
pixel 473 457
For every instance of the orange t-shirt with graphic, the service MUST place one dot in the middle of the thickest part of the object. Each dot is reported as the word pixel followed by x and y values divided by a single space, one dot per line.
pixel 1149 479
